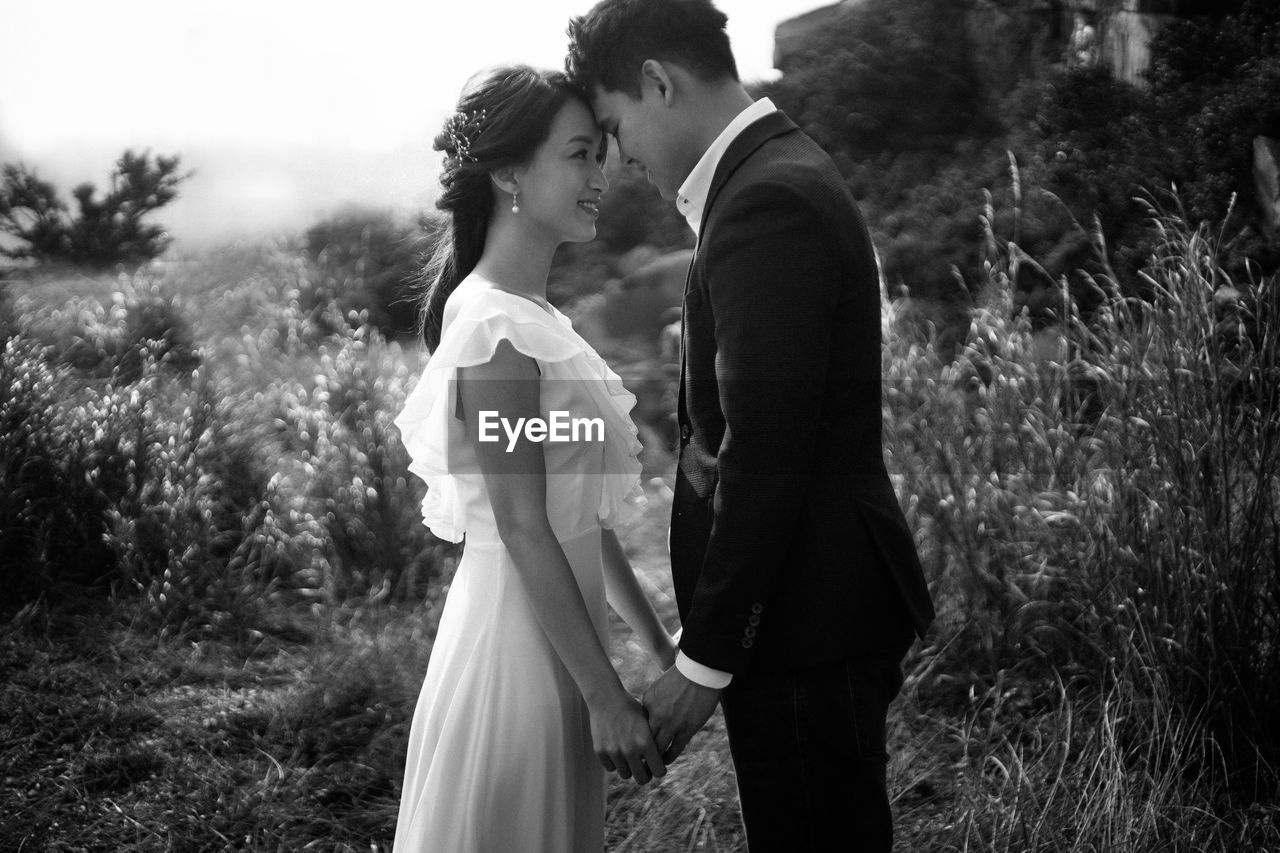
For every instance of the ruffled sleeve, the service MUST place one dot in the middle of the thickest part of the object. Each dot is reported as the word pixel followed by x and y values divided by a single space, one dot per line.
pixel 436 439
pixel 622 498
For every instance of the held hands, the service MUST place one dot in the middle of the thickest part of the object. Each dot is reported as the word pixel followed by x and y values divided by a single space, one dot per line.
pixel 677 708
pixel 623 741
pixel 640 740
pixel 626 734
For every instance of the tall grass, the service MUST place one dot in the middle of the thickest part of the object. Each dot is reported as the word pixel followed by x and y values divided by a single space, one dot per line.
pixel 1097 503
pixel 1080 776
pixel 1096 506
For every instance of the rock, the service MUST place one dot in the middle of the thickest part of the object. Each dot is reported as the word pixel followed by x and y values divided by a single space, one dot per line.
pixel 1266 180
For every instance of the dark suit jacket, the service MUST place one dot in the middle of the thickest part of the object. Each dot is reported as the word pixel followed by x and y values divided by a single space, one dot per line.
pixel 788 546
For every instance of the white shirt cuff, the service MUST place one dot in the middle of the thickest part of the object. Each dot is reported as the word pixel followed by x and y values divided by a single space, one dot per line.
pixel 701 674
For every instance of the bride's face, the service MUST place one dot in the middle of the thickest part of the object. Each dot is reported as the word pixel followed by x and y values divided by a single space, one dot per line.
pixel 560 188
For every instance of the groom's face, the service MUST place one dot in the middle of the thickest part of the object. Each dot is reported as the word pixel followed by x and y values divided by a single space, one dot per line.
pixel 645 139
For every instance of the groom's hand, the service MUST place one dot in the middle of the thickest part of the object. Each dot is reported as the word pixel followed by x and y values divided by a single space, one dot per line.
pixel 677 708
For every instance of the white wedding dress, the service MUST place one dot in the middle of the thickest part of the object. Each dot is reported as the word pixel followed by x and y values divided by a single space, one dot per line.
pixel 500 755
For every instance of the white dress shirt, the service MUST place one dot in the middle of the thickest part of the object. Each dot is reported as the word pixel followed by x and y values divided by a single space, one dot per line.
pixel 691 201
pixel 691 198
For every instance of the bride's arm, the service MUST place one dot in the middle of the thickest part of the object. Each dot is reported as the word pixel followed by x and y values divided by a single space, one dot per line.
pixel 627 598
pixel 516 482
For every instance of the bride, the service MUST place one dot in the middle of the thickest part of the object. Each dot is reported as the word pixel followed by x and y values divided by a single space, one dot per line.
pixel 521 711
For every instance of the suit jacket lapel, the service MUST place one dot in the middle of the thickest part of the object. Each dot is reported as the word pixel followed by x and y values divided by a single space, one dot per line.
pixel 752 137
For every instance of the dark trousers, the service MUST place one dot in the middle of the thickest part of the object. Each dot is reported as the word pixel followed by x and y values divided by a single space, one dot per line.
pixel 809 750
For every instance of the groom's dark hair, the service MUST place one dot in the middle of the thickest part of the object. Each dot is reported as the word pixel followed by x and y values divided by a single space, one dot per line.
pixel 608 45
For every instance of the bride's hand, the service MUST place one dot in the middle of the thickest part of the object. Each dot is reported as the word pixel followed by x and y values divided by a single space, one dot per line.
pixel 623 742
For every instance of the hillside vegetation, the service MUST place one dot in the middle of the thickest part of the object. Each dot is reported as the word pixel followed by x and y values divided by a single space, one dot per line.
pixel 217 600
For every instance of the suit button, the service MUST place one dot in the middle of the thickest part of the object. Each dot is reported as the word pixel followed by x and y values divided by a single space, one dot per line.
pixel 757 608
pixel 753 620
pixel 747 642
pixel 750 632
pixel 685 432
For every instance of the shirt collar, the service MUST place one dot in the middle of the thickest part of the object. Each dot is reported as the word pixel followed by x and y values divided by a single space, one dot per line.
pixel 691 199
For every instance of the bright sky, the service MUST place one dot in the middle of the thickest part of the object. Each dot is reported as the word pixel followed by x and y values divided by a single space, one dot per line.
pixel 285 109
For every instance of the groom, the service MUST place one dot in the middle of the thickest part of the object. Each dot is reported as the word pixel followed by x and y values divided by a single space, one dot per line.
pixel 796 576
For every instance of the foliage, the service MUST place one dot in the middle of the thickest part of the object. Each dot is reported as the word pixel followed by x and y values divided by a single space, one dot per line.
pixel 1216 77
pixel 579 270
pixel 365 261
pixel 1086 143
pixel 1097 678
pixel 889 90
pixel 1103 496
pixel 344 456
pixel 30 210
pixel 1099 144
pixel 107 484
pixel 8 321
pixel 886 77
pixel 105 231
pixel 633 214
pixel 113 337
pixel 214 493
pixel 368 264
pixel 54 480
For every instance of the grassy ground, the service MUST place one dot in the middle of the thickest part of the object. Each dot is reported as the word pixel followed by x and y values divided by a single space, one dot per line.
pixel 294 739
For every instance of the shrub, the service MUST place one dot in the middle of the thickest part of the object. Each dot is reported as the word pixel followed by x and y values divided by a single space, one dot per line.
pixel 57 475
pixel 112 486
pixel 1098 143
pixel 106 335
pixel 349 470
pixel 198 533
pixel 321 389
pixel 162 488
pixel 1212 89
pixel 891 91
pixel 365 262
pixel 1103 498
pixel 633 214
pixel 887 77
pixel 8 319
pixel 141 323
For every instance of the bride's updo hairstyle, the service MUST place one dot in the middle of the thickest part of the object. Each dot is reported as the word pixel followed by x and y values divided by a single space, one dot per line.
pixel 503 116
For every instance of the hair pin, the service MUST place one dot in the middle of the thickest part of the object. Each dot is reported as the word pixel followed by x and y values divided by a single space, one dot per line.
pixel 464 128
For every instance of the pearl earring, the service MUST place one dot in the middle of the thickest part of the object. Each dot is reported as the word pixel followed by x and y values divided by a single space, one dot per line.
pixel 515 201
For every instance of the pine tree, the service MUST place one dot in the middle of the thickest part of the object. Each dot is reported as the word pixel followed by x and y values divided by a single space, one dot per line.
pixel 105 231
